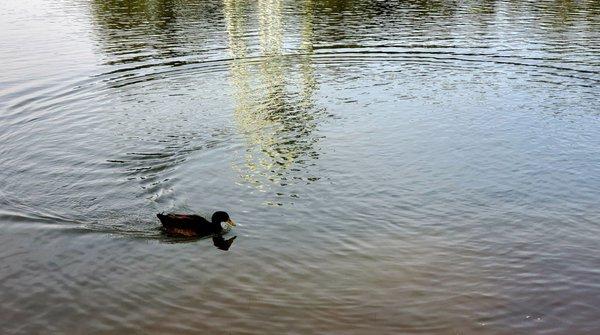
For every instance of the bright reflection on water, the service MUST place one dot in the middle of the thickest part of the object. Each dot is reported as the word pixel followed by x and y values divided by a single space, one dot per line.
pixel 394 166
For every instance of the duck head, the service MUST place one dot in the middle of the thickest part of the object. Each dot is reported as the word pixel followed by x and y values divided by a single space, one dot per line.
pixel 219 217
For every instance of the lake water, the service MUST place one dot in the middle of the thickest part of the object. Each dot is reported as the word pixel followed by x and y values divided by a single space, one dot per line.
pixel 394 167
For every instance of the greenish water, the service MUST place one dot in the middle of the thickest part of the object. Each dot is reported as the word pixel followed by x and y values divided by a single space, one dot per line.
pixel 394 167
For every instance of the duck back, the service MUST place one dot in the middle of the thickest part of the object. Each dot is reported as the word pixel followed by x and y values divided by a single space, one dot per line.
pixel 186 225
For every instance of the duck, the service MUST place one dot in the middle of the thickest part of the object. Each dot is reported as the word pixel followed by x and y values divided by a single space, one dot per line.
pixel 192 225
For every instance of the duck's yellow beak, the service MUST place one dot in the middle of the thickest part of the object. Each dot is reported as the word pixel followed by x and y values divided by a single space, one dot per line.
pixel 230 222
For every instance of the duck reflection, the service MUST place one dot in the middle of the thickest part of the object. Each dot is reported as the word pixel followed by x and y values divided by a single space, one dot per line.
pixel 219 241
pixel 274 94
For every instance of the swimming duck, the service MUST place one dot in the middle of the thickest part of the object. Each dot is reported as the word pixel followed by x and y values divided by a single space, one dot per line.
pixel 195 225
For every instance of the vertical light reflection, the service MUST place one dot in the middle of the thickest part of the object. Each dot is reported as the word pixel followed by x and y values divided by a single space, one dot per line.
pixel 309 82
pixel 272 76
pixel 274 92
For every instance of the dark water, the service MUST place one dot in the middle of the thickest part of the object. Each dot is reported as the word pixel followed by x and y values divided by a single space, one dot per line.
pixel 395 167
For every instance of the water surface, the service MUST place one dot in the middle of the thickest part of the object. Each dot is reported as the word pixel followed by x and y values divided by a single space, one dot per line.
pixel 394 167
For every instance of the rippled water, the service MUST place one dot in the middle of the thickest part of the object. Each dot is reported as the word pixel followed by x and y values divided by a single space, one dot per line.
pixel 395 166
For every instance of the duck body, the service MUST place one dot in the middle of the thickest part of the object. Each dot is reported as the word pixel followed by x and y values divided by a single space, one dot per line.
pixel 195 225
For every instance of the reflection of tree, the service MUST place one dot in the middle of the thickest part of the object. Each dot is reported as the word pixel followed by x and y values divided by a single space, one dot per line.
pixel 168 28
pixel 560 13
pixel 274 92
pixel 141 30
pixel 130 14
